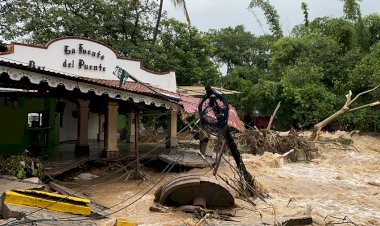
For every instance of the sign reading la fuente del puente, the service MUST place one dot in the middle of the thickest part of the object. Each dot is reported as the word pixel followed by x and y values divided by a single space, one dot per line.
pixel 81 64
pixel 83 57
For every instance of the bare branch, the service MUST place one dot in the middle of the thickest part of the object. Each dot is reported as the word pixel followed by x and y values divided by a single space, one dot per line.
pixel 365 106
pixel 348 97
pixel 362 93
pixel 273 115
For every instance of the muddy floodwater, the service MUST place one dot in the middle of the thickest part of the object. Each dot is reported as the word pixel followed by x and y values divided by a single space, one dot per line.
pixel 341 185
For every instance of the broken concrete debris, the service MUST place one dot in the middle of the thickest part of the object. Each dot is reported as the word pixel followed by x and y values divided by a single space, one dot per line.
pixel 187 158
pixel 85 176
pixel 34 180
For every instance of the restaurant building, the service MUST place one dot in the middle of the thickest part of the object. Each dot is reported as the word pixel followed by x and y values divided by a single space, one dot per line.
pixel 77 89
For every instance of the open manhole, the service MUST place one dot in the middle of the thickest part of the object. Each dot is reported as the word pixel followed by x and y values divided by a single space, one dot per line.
pixel 194 189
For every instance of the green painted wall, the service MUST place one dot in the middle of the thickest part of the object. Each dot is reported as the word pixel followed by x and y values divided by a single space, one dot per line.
pixel 14 131
pixel 121 121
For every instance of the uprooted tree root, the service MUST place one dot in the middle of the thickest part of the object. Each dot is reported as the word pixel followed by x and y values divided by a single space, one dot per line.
pixel 260 141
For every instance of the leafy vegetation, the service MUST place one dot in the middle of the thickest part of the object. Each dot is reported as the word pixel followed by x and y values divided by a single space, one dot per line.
pixel 21 166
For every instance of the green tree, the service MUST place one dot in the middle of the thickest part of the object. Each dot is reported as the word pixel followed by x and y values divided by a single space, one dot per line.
pixel 266 95
pixel 351 9
pixel 367 72
pixel 176 3
pixel 40 21
pixel 114 22
pixel 305 12
pixel 303 91
pixel 185 50
pixel 273 19
pixel 372 25
pixel 243 101
pixel 343 31
pixel 237 47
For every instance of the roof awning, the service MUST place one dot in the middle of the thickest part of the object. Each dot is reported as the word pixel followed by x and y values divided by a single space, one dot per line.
pixel 134 91
pixel 129 91
pixel 200 90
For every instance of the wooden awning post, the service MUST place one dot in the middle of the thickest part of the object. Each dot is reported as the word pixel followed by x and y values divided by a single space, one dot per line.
pixel 137 166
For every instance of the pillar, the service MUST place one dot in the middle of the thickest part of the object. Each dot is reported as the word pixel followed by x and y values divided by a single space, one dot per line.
pixel 172 139
pixel 100 135
pixel 110 134
pixel 131 127
pixel 82 147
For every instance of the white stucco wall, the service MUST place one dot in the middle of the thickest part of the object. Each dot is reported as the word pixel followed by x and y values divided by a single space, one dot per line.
pixel 93 122
pixel 59 54
pixel 68 131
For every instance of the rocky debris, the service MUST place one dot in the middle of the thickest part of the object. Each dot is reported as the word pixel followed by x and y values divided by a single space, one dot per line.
pixel 298 220
pixel 85 176
pixel 288 221
pixel 34 180
pixel 156 207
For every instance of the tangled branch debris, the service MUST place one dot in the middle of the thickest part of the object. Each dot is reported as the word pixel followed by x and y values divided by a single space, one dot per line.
pixel 260 141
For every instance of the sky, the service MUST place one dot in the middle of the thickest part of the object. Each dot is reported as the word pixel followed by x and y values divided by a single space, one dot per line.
pixel 216 14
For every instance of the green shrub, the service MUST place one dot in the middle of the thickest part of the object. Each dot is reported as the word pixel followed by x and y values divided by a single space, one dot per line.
pixel 22 166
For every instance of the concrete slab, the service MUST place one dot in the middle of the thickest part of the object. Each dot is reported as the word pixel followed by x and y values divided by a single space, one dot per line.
pixel 10 184
pixel 187 158
pixel 30 216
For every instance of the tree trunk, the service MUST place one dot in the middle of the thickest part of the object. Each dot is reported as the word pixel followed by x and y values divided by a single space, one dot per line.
pixel 317 127
pixel 157 23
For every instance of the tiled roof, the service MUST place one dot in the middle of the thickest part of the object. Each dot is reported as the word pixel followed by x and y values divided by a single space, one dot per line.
pixel 137 88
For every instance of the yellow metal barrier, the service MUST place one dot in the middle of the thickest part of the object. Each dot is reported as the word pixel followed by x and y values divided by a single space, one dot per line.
pixel 47 200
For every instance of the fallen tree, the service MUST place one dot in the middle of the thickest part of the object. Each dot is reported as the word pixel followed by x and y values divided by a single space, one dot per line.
pixel 346 108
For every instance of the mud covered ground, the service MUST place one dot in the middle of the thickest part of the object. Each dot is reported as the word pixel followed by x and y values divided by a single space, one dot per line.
pixel 341 185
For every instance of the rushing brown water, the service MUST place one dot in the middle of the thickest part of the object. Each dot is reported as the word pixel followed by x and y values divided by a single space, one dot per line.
pixel 341 183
